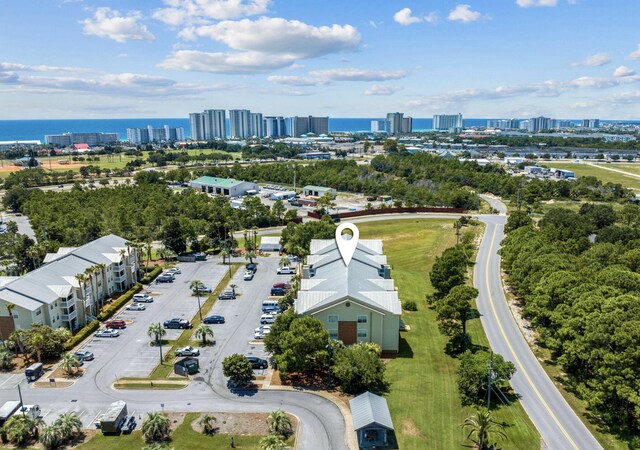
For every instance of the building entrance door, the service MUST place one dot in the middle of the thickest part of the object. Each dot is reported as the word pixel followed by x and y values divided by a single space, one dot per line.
pixel 348 332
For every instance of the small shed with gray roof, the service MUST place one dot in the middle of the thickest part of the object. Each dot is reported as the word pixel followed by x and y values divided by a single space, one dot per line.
pixel 270 244
pixel 223 186
pixel 372 422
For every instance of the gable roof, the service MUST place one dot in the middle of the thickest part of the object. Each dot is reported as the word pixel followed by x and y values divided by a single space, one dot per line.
pixel 215 181
pixel 369 410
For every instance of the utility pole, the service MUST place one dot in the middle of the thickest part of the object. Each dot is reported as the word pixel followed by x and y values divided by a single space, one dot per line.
pixel 489 379
pixel 21 402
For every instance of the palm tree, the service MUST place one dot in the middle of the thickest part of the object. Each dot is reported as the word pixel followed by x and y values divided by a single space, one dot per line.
pixel 272 442
pixel 157 331
pixel 20 429
pixel 482 427
pixel 69 424
pixel 69 363
pixel 100 271
pixel 250 255
pixel 51 436
pixel 284 262
pixel 5 358
pixel 156 427
pixel 82 279
pixel 233 288
pixel 148 248
pixel 10 307
pixel 207 424
pixel 279 423
pixel 197 287
pixel 18 339
pixel 203 331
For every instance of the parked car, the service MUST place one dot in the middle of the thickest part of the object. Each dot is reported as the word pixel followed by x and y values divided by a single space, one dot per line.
pixel 227 295
pixel 177 323
pixel 252 267
pixel 294 259
pixel 164 279
pixel 107 333
pixel 258 363
pixel 174 270
pixel 248 275
pixel 275 310
pixel 285 286
pixel 261 334
pixel 136 307
pixel 286 271
pixel 142 298
pixel 187 351
pixel 202 290
pixel 262 328
pixel 84 355
pixel 116 323
pixel 213 319
pixel 169 274
pixel 267 319
pixel 278 292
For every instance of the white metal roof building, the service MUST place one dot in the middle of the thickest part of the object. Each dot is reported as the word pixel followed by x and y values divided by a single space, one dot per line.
pixel 270 244
pixel 223 186
pixel 355 303
pixel 372 421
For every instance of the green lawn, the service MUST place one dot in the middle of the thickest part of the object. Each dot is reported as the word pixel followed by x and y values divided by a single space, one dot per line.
pixel 607 176
pixel 184 438
pixel 631 168
pixel 423 399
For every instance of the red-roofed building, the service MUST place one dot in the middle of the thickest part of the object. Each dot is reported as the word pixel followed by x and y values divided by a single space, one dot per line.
pixel 81 147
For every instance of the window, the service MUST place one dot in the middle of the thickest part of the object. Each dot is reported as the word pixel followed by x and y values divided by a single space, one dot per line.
pixel 362 319
pixel 362 334
pixel 15 315
pixel 333 334
pixel 70 296
pixel 50 306
pixel 332 319
pixel 38 312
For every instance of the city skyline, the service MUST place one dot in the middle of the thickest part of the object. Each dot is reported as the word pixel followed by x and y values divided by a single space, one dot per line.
pixel 166 58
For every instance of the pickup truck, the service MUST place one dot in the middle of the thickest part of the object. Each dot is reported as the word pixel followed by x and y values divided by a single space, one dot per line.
pixel 177 323
pixel 187 351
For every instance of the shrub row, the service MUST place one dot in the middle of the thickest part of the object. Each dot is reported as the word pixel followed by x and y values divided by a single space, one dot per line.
pixel 151 275
pixel 82 334
pixel 119 302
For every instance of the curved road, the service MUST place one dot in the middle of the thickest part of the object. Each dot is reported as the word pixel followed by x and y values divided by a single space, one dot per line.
pixel 559 426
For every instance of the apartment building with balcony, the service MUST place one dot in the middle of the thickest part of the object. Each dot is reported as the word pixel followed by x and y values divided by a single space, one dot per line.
pixel 70 288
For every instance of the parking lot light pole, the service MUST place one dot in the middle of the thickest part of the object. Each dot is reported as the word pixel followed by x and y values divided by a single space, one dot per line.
pixel 199 306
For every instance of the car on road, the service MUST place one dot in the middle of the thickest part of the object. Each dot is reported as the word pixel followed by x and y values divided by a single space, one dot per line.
pixel 60 186
pixel 203 290
pixel 266 319
pixel 274 310
pixel 84 355
pixel 228 294
pixel 213 319
pixel 261 334
pixel 116 323
pixel 164 279
pixel 258 363
pixel 177 323
pixel 136 307
pixel 278 292
pixel 107 333
pixel 286 271
pixel 252 267
pixel 142 298
pixel 174 270
pixel 187 351
pixel 248 275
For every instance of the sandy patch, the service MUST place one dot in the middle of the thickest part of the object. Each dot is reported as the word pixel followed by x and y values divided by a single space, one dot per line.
pixel 253 424
pixel 409 428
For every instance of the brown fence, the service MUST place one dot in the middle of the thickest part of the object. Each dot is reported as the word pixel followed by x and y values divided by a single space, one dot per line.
pixel 373 212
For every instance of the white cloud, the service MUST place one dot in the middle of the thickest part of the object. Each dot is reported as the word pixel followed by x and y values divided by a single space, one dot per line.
pixel 229 63
pixel 279 36
pixel 381 89
pixel 181 12
pixel 635 54
pixel 599 59
pixel 530 3
pixel 623 71
pixel 291 80
pixel 4 66
pixel 111 24
pixel 351 74
pixel 405 17
pixel 375 24
pixel 463 13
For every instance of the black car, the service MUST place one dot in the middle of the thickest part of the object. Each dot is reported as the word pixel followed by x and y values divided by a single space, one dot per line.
pixel 213 319
pixel 252 267
pixel 278 291
pixel 164 279
pixel 258 363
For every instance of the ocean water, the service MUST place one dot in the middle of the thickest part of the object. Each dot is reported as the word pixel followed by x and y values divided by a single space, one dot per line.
pixel 16 130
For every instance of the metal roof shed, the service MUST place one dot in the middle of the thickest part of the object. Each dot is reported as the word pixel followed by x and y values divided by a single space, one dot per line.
pixel 372 422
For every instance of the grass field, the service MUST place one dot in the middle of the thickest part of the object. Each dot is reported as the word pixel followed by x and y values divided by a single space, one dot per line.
pixel 423 397
pixel 184 438
pixel 607 176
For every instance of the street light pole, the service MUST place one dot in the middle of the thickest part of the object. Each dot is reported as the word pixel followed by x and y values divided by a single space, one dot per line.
pixel 21 402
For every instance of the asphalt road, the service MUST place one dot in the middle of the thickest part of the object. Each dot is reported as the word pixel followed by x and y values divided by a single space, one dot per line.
pixel 559 426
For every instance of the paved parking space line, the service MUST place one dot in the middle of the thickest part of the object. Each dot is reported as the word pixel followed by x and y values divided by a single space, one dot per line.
pixel 8 379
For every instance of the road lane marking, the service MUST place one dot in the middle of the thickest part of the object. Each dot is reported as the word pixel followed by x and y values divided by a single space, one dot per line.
pixel 515 356
pixel 8 379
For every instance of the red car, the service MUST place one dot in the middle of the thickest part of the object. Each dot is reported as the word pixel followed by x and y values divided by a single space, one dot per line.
pixel 116 323
pixel 285 286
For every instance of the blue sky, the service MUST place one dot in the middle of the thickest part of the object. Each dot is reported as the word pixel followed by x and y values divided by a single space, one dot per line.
pixel 351 58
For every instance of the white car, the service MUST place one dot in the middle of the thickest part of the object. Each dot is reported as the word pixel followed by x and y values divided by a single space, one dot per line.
pixel 142 298
pixel 262 328
pixel 174 270
pixel 261 334
pixel 267 319
pixel 136 307
pixel 286 271
pixel 187 351
pixel 248 275
pixel 107 332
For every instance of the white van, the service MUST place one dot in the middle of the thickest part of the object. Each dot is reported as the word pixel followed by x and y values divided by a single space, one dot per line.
pixel 267 319
pixel 269 303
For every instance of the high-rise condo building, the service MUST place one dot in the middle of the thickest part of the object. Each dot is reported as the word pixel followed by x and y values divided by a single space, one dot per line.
pixel 91 139
pixel 215 124
pixel 378 126
pixel 394 123
pixel 504 124
pixel 240 123
pixel 275 127
pixel 196 125
pixel 539 123
pixel 448 122
pixel 591 123
pixel 407 124
pixel 257 125
pixel 149 134
pixel 310 124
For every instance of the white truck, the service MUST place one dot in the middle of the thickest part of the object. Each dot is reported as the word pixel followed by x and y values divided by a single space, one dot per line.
pixel 32 411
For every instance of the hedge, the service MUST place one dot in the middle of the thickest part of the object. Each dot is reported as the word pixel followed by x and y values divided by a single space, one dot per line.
pixel 150 276
pixel 119 302
pixel 82 334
